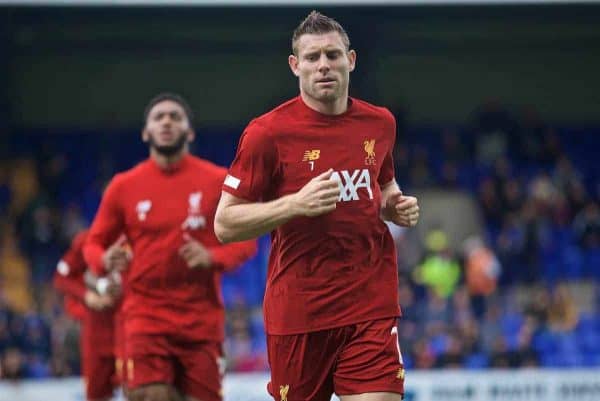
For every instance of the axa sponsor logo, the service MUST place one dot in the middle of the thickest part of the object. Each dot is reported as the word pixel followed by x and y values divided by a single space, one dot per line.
pixel 351 182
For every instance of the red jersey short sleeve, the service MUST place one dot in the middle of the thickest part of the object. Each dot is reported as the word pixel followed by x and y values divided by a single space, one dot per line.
pixel 254 165
pixel 386 175
pixel 335 269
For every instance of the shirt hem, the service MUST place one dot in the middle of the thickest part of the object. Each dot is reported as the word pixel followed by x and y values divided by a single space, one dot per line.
pixel 332 326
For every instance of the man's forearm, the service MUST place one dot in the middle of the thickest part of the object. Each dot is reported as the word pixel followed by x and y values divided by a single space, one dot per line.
pixel 239 222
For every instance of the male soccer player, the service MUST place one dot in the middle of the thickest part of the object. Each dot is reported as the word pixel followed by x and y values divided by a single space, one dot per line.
pixel 317 171
pixel 96 313
pixel 173 311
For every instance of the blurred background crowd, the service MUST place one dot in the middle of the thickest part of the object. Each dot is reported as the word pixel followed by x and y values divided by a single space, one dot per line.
pixel 517 287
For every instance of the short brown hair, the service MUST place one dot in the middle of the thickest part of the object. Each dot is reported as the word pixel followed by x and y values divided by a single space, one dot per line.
pixel 317 23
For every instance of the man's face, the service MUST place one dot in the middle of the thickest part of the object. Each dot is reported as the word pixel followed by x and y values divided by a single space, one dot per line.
pixel 323 66
pixel 167 128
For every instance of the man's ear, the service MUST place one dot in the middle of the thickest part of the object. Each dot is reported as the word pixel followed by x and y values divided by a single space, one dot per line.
pixel 352 59
pixel 191 135
pixel 293 62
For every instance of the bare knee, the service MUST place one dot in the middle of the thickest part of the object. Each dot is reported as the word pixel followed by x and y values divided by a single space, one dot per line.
pixel 151 392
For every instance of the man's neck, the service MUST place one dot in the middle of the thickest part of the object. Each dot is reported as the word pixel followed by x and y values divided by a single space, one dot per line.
pixel 165 162
pixel 334 108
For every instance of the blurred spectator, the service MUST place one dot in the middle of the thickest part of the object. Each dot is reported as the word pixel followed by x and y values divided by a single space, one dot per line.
pixel 439 271
pixel 5 195
pixel 562 313
pixel 72 222
pixel 531 135
pixel 38 228
pixel 454 148
pixel 482 269
pixel 435 314
pixel 454 354
pixel 13 365
pixel 423 355
pixel 14 272
pixel 449 179
pixel 587 226
pixel 24 185
pixel 490 327
pixel 565 176
pixel 494 127
pixel 538 306
pixel 420 174
pixel 490 202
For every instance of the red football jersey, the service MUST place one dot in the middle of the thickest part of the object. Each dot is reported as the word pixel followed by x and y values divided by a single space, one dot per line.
pixel 335 269
pixel 97 329
pixel 154 207
pixel 68 277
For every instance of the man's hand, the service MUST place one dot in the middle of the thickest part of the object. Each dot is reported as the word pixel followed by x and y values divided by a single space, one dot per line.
pixel 401 210
pixel 194 253
pixel 318 196
pixel 117 256
pixel 96 301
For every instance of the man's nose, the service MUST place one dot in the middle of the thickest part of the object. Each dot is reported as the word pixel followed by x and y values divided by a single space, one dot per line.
pixel 323 63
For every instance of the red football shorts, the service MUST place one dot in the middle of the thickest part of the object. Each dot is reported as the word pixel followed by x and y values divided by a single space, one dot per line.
pixel 98 365
pixel 120 352
pixel 194 369
pixel 355 359
pixel 98 373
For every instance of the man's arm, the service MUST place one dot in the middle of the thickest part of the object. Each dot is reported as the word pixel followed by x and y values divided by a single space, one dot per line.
pixel 397 208
pixel 67 283
pixel 230 256
pixel 220 257
pixel 237 219
pixel 105 229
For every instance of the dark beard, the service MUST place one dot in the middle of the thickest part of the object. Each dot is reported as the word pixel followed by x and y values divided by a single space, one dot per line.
pixel 169 150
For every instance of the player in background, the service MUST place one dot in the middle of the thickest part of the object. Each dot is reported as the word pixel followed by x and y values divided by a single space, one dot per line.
pixel 173 309
pixel 95 310
pixel 317 172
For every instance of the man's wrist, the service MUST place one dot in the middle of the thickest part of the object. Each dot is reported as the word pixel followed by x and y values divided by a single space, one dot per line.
pixel 290 208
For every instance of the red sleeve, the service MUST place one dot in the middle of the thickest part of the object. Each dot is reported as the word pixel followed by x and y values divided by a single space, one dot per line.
pixel 229 256
pixel 106 228
pixel 68 276
pixel 386 174
pixel 254 165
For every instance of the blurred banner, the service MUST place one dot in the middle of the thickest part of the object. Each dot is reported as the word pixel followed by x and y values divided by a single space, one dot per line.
pixel 522 385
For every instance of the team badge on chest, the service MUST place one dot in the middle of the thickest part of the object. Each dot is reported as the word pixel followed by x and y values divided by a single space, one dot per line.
pixel 142 208
pixel 370 150
pixel 194 220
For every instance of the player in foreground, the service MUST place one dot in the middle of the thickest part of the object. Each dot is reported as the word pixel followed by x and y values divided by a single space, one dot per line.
pixel 317 172
pixel 173 311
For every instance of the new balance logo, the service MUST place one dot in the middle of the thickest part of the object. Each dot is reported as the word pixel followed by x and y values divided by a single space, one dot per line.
pixel 311 155
pixel 351 183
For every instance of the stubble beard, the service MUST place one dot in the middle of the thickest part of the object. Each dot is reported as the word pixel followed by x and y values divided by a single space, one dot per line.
pixel 169 150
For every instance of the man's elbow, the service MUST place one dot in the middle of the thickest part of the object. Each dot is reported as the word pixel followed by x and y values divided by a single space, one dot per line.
pixel 223 234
